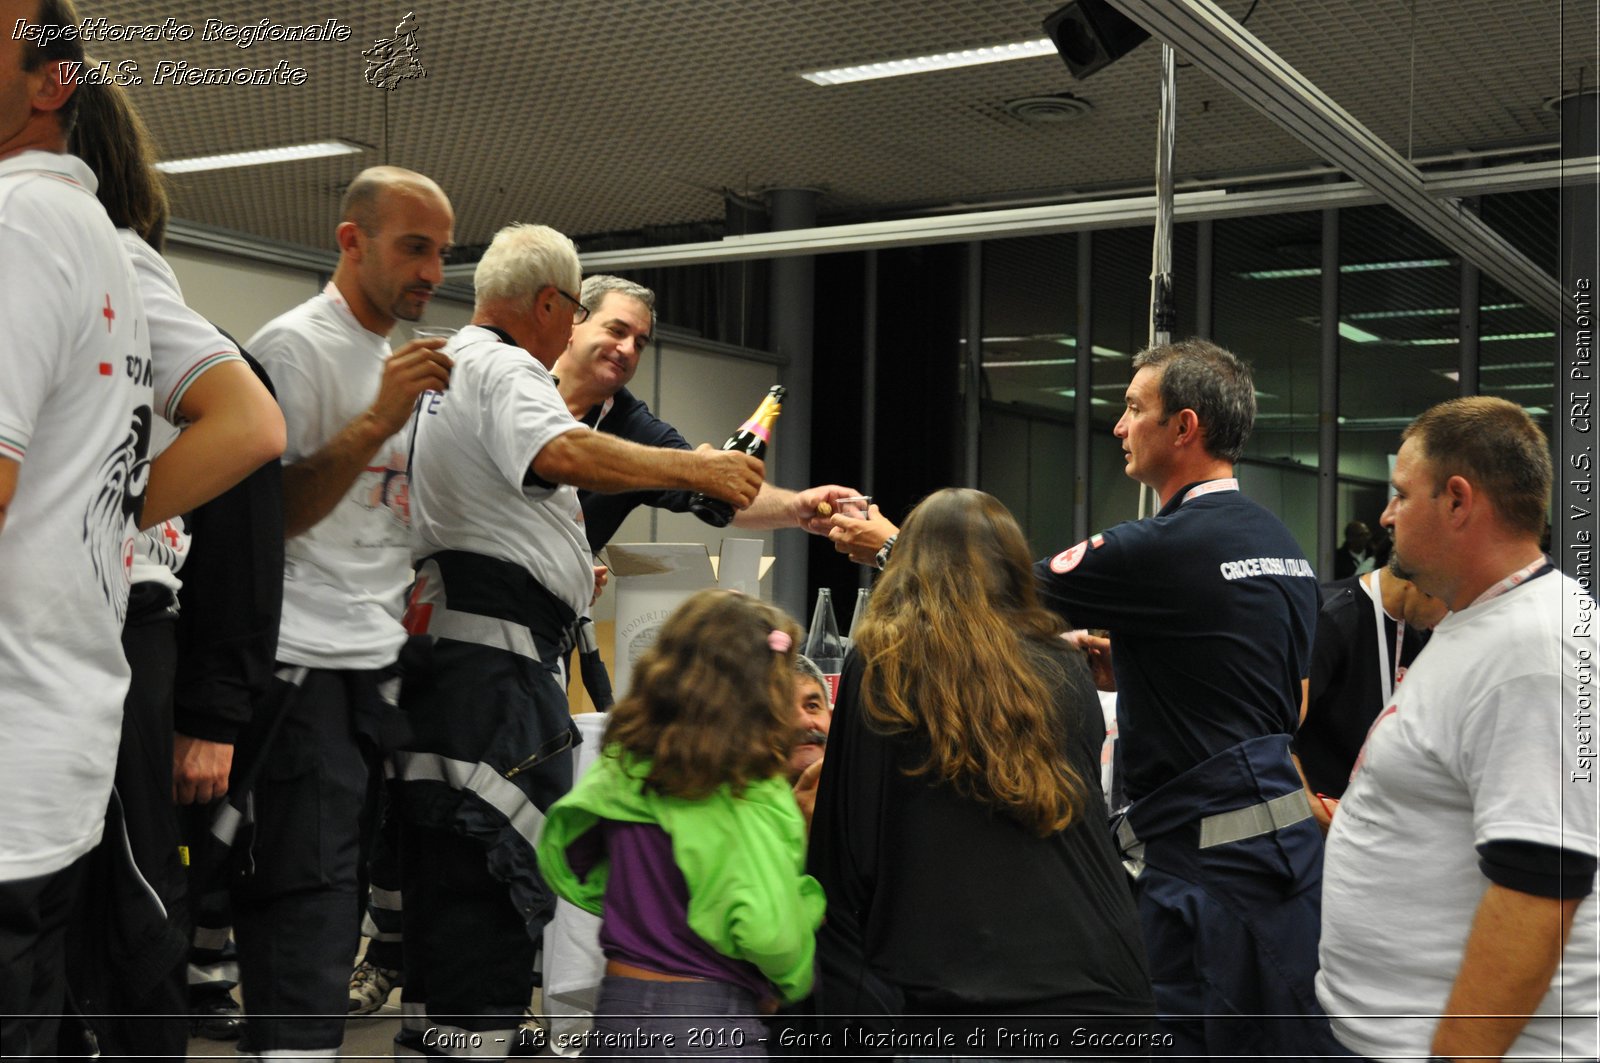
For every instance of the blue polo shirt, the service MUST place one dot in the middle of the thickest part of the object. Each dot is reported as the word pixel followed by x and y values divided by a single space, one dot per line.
pixel 1211 607
pixel 628 417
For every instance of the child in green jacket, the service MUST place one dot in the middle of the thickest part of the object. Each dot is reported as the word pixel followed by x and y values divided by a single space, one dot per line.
pixel 685 838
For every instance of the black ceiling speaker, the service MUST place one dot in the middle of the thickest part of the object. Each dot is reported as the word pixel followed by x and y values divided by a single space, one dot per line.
pixel 1091 34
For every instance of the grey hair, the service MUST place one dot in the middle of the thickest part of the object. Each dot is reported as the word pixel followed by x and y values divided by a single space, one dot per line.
pixel 595 289
pixel 521 260
pixel 1216 384
pixel 806 668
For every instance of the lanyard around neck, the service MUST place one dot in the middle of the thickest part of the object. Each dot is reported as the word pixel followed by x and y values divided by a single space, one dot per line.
pixel 1521 575
pixel 1230 483
pixel 1389 670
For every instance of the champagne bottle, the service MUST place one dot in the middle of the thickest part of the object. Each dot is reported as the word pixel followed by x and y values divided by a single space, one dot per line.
pixel 823 644
pixel 752 438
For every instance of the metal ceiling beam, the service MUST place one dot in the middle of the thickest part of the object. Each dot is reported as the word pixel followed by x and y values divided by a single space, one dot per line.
pixel 1213 41
pixel 1214 204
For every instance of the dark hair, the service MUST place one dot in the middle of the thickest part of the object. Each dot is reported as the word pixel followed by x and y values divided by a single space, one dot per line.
pixel 1216 384
pixel 54 16
pixel 1497 447
pixel 946 640
pixel 112 138
pixel 711 702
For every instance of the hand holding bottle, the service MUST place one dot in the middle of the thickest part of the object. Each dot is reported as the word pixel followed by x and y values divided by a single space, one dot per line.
pixel 750 438
pixel 729 475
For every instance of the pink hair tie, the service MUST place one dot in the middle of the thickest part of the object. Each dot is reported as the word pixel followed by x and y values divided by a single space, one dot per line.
pixel 779 641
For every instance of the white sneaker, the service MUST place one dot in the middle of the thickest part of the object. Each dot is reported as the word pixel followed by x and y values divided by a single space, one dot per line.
pixel 370 987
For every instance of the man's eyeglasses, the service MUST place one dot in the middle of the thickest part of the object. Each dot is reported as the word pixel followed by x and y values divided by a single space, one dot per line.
pixel 580 313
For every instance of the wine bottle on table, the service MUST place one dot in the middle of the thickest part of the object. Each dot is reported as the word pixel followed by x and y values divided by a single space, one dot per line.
pixel 823 644
pixel 751 438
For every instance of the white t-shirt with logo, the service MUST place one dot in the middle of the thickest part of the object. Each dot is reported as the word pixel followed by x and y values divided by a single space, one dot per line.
pixel 75 412
pixel 344 579
pixel 1479 744
pixel 183 345
pixel 475 445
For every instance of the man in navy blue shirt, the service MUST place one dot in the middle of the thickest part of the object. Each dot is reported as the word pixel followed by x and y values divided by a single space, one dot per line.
pixel 1211 607
pixel 593 374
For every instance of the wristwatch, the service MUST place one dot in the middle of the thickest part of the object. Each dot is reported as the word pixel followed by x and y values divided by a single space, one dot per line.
pixel 882 557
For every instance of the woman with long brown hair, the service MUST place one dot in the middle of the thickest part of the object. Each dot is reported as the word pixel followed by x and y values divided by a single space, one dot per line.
pixel 960 832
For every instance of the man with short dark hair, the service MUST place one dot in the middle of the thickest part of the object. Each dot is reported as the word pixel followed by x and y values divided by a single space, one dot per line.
pixel 1352 553
pixel 76 410
pixel 1459 917
pixel 1211 605
pixel 593 374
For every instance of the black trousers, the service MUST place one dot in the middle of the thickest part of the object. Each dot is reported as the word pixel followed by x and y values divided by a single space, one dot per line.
pixel 213 966
pixel 33 973
pixel 130 930
pixel 468 956
pixel 384 924
pixel 297 897
pixel 475 905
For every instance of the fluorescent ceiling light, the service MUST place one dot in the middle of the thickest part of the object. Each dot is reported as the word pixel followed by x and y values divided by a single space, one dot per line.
pixel 1069 393
pixel 1348 267
pixel 1027 363
pixel 1438 311
pixel 921 64
pixel 1375 422
pixel 288 153
pixel 1518 336
pixel 1440 341
pixel 1350 332
pixel 1104 352
pixel 1546 386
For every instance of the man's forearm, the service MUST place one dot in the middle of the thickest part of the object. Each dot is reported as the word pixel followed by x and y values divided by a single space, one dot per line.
pixel 595 461
pixel 314 485
pixel 237 428
pixel 1511 955
pixel 773 508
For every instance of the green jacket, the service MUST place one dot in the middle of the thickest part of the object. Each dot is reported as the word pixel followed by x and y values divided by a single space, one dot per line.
pixel 743 859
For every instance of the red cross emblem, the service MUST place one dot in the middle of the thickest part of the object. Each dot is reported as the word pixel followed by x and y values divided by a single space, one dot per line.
pixel 418 613
pixel 108 313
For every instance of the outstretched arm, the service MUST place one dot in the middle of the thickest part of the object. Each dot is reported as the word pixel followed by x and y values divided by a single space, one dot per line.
pixel 600 462
pixel 779 507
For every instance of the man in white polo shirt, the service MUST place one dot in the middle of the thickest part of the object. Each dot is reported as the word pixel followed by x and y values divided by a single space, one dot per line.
pixel 503 574
pixel 314 754
pixel 75 416
pixel 1458 909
